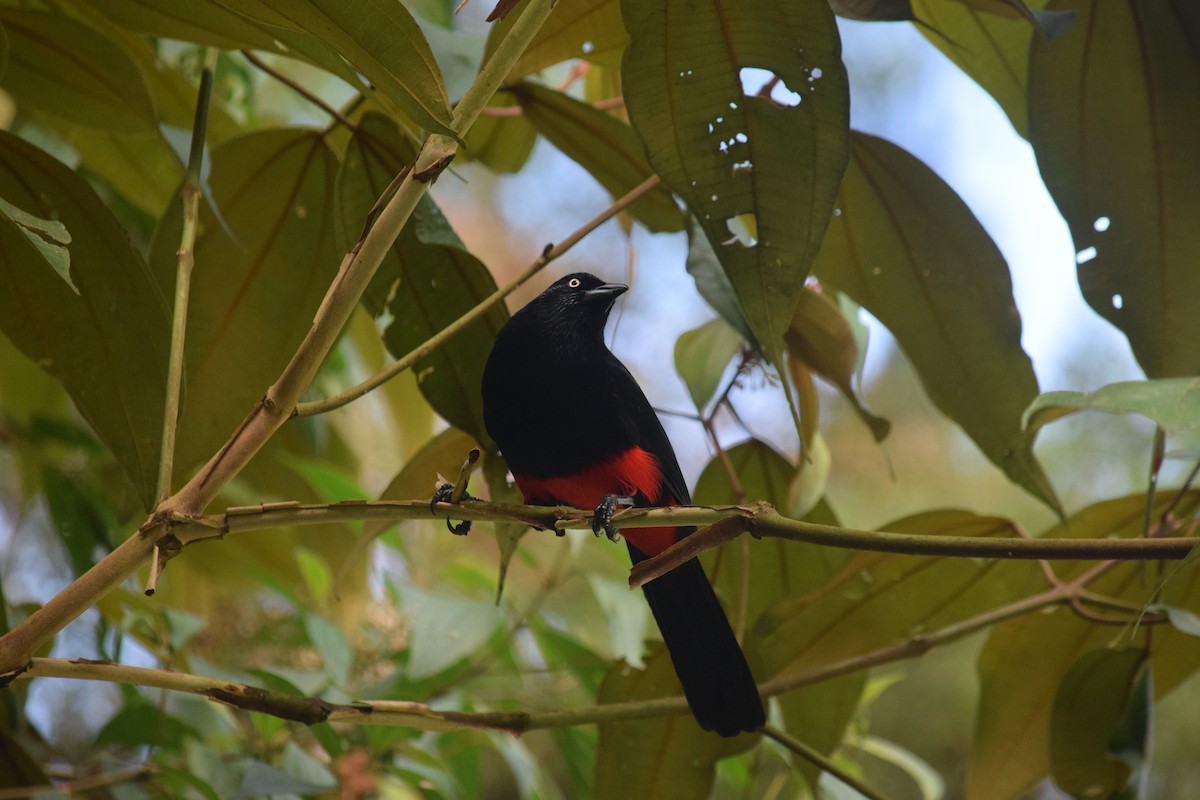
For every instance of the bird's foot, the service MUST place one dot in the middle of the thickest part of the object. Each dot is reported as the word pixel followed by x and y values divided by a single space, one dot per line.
pixel 445 494
pixel 603 516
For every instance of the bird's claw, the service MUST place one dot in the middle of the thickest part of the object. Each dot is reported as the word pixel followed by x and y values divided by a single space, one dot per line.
pixel 445 494
pixel 602 518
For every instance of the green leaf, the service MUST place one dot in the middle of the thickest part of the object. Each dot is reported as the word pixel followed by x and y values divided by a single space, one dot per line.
pixel 603 145
pixel 1173 403
pixel 659 757
pixel 444 629
pixel 210 22
pixel 701 357
pixel 83 527
pixel 333 646
pixel 430 284
pixel 1114 139
pixel 49 237
pixel 1090 709
pixel 742 162
pixel 992 50
pixel 906 248
pixel 417 479
pixel 379 38
pixel 821 337
pixel 107 344
pixel 66 68
pixel 502 143
pixel 587 29
pixel 262 268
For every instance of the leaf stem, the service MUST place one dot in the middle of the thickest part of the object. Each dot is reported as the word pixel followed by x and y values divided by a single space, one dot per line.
pixel 338 116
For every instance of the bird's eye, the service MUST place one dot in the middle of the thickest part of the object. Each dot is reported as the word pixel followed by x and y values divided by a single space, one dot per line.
pixel 574 283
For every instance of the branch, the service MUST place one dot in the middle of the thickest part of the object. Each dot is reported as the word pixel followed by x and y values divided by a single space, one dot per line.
pixel 819 760
pixel 19 644
pixel 456 327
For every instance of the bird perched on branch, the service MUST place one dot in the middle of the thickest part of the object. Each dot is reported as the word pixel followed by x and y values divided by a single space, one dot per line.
pixel 576 429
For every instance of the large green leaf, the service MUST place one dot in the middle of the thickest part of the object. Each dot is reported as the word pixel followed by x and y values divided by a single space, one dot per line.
pixel 1115 139
pixel 588 29
pixel 702 356
pixel 906 248
pixel 603 145
pixel 873 10
pixel 107 343
pixel 264 259
pixel 502 143
pixel 1023 665
pixel 62 66
pixel 661 757
pixel 428 280
pixel 379 38
pixel 993 50
pixel 760 175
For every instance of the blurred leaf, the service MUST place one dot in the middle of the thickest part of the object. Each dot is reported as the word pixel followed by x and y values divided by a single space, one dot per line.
pixel 1049 24
pixel 441 455
pixel 108 343
pixel 435 284
pixel 49 238
pixel 17 767
pixel 381 40
pixel 335 650
pixel 1026 659
pixel 1089 709
pixel 588 29
pixel 64 67
pixel 444 630
pixel 907 248
pixel 735 156
pixel 1183 620
pixel 257 284
pixel 1172 403
pixel 83 528
pixel 603 145
pixel 317 575
pixel 502 143
pixel 659 757
pixel 992 50
pixel 1114 141
pixel 261 780
pixel 702 356
pixel 873 10
pixel 141 723
pixel 822 338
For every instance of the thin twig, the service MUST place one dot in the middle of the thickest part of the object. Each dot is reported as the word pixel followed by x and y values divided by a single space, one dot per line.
pixel 456 327
pixel 300 90
pixel 819 760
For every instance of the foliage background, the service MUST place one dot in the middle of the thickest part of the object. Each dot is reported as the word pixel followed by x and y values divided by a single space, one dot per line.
pixel 302 610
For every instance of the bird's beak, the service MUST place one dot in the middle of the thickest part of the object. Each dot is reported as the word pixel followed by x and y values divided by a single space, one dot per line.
pixel 606 291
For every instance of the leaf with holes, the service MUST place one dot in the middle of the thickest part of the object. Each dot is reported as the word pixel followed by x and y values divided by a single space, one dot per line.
pixel 428 281
pixel 262 268
pixel 603 145
pixel 759 172
pixel 1115 142
pixel 906 248
pixel 104 337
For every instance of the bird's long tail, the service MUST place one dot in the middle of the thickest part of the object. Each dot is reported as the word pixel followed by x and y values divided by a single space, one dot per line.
pixel 716 679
